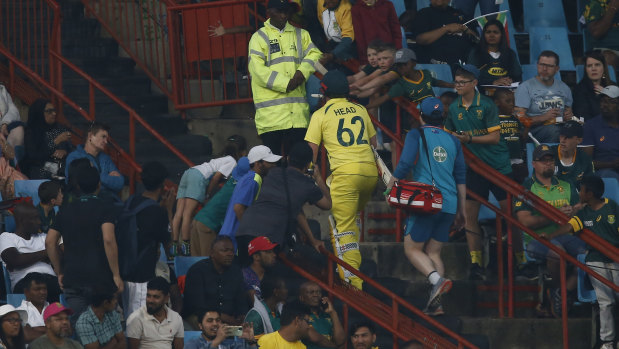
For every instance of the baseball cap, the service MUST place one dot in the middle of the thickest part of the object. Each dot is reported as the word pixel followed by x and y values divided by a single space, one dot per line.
pixel 431 104
pixel 404 55
pixel 7 308
pixel 283 5
pixel 571 128
pixel 335 83
pixel 262 152
pixel 242 167
pixel 471 69
pixel 611 91
pixel 54 309
pixel 261 243
pixel 541 151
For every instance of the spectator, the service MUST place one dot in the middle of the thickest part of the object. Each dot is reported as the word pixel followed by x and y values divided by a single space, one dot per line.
pixel 362 335
pixel 571 162
pixel 425 235
pixel 337 23
pixel 278 210
pixel 35 291
pixel 324 318
pixel 543 99
pixel 193 186
pixel 99 326
pixel 512 132
pixel 216 283
pixel 262 253
pixel 587 93
pixel 72 192
pixel 152 230
pixel 11 330
pixel 603 25
pixel 282 112
pixel 371 61
pixel 468 7
pixel 295 326
pixel 209 219
pixel 11 126
pixel 87 230
pixel 154 325
pixel 561 195
pixel 216 334
pixel 47 142
pixel 50 194
pixel 441 36
pixel 261 160
pixel 497 63
pixel 447 98
pixel 167 273
pixel 385 73
pixel 474 118
pixel 601 135
pixel 57 330
pixel 375 19
pixel 23 252
pixel 96 141
pixel 265 316
pixel 591 191
pixel 351 159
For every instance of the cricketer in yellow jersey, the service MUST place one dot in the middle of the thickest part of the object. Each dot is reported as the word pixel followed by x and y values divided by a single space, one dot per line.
pixel 347 132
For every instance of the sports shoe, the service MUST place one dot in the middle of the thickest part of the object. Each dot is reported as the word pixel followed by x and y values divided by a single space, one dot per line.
pixel 554 296
pixel 434 309
pixel 174 249
pixel 607 345
pixel 442 286
pixel 476 272
pixel 526 272
pixel 185 248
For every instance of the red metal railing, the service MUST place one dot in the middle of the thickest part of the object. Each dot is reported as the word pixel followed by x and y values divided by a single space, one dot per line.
pixel 388 316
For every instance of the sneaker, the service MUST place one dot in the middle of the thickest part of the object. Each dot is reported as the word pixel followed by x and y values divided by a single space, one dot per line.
pixel 435 309
pixel 476 272
pixel 185 248
pixel 442 286
pixel 607 345
pixel 526 272
pixel 554 296
pixel 174 250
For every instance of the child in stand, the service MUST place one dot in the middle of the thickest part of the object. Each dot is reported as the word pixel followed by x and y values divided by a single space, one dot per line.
pixel 385 73
pixel 50 194
pixel 372 66
pixel 513 132
pixel 192 190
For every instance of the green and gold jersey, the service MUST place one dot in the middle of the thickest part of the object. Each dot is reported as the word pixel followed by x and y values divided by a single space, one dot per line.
pixel 602 222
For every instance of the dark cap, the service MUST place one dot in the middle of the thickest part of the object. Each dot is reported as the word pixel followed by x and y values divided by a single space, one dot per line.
pixel 541 151
pixel 283 5
pixel 470 68
pixel 404 55
pixel 431 104
pixel 571 128
pixel 335 83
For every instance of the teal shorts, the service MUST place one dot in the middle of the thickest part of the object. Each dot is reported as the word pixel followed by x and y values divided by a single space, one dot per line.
pixel 192 185
pixel 213 213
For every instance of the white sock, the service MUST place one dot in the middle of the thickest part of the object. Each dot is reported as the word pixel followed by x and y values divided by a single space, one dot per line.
pixel 433 277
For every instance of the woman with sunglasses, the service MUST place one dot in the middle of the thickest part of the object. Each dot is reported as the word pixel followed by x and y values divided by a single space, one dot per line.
pixel 11 329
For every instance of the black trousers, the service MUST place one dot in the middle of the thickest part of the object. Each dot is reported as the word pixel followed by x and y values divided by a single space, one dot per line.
pixel 281 141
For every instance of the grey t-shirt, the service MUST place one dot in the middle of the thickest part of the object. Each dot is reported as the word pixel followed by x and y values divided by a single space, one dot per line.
pixel 538 98
pixel 44 343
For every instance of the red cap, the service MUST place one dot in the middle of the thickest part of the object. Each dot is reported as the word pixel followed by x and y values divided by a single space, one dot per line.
pixel 54 309
pixel 261 243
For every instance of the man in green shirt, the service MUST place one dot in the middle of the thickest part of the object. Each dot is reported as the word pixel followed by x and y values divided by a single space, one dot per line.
pixel 324 318
pixel 600 216
pixel 265 315
pixel 571 162
pixel 563 196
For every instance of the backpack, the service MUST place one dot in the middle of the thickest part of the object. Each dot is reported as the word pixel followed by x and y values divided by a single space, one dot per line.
pixel 129 255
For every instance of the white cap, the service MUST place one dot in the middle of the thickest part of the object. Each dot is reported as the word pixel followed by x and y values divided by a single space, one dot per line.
pixel 611 91
pixel 262 152
pixel 7 308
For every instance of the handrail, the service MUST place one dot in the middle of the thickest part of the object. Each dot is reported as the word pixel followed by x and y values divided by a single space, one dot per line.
pixel 394 326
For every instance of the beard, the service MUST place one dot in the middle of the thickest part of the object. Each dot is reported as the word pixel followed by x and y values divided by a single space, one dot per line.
pixel 548 173
pixel 152 310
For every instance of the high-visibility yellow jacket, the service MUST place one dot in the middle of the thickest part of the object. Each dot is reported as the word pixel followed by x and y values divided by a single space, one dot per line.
pixel 274 57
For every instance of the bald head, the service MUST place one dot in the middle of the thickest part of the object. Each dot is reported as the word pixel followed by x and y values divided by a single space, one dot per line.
pixel 27 219
pixel 310 293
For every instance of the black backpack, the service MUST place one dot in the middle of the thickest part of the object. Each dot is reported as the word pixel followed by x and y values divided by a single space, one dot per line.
pixel 129 255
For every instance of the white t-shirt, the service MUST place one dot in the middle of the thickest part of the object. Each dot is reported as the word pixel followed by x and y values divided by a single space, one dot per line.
pixel 331 27
pixel 223 165
pixel 35 319
pixel 152 333
pixel 35 244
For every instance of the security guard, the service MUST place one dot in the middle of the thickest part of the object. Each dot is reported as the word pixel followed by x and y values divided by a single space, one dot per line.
pixel 281 58
pixel 347 132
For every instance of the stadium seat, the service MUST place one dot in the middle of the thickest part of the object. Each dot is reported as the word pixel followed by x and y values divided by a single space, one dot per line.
pixel 551 38
pixel 580 72
pixel 24 188
pixel 191 335
pixel 543 13
pixel 399 6
pixel 8 222
pixel 422 4
pixel 15 299
pixel 441 72
pixel 530 71
pixel 162 256
pixel 486 214
pixel 611 189
pixel 182 264
pixel 586 294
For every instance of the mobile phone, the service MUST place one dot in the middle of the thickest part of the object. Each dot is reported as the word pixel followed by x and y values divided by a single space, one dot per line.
pixel 235 331
pixel 324 305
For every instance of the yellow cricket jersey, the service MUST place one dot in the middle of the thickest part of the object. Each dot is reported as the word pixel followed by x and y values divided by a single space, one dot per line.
pixel 275 341
pixel 345 129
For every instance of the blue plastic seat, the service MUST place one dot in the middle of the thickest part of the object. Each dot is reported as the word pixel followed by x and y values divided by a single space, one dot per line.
pixel 441 72
pixel 611 189
pixel 580 72
pixel 486 214
pixel 15 299
pixel 191 335
pixel 554 39
pixel 543 13
pixel 400 8
pixel 422 4
pixel 586 293
pixel 182 264
pixel 530 71
pixel 29 188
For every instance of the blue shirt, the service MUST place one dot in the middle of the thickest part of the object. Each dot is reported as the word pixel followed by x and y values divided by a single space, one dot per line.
pixel 603 137
pixel 90 330
pixel 245 193
pixel 103 163
pixel 447 161
pixel 228 343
